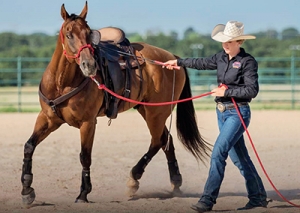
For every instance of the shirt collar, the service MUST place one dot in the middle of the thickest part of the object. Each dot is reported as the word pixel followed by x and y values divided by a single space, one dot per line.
pixel 238 57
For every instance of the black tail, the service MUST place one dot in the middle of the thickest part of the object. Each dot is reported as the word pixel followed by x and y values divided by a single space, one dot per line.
pixel 187 128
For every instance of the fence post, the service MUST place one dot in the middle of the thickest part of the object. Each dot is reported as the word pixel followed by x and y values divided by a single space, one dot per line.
pixel 293 79
pixel 19 80
pixel 293 48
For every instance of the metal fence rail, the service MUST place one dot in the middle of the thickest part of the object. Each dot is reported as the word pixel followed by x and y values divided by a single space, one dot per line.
pixel 279 80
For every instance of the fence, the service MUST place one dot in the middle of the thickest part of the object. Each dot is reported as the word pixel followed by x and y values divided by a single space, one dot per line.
pixel 279 80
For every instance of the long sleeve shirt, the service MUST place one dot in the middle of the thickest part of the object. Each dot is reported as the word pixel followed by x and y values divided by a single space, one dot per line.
pixel 239 74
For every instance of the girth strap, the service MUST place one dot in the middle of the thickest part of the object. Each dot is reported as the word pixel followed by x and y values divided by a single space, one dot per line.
pixel 64 97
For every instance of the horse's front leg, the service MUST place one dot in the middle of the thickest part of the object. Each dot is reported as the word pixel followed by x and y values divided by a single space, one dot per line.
pixel 43 127
pixel 87 133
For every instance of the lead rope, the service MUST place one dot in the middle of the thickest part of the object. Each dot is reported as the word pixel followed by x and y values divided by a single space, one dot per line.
pixel 101 86
pixel 258 158
pixel 171 116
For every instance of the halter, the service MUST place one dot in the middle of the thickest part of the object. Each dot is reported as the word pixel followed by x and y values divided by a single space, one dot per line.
pixel 80 49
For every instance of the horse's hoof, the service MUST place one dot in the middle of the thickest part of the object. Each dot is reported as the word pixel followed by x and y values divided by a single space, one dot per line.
pixel 29 198
pixel 133 186
pixel 81 201
pixel 177 192
pixel 176 181
pixel 175 186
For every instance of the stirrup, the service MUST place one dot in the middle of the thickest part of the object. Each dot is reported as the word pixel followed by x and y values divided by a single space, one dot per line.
pixel 112 111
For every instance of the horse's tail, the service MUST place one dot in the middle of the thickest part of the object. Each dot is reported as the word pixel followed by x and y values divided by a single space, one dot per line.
pixel 187 128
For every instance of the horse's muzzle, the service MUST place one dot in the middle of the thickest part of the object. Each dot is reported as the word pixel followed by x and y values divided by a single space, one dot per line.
pixel 89 67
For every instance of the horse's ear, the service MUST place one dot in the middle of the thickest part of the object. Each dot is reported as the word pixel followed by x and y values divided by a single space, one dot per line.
pixel 64 14
pixel 84 11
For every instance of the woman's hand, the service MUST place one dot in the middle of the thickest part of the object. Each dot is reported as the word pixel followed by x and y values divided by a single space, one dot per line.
pixel 171 64
pixel 219 91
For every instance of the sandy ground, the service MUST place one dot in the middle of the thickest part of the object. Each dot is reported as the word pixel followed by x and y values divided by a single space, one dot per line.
pixel 57 169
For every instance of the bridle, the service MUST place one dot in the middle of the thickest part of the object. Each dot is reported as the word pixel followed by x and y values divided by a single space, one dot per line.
pixel 80 49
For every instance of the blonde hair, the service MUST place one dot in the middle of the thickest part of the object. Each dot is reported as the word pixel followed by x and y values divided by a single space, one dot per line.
pixel 240 41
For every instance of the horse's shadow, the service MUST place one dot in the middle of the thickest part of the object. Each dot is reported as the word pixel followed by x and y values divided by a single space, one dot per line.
pixel 291 194
pixel 164 195
pixel 39 203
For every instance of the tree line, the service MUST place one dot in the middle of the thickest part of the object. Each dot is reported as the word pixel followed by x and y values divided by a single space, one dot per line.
pixel 269 43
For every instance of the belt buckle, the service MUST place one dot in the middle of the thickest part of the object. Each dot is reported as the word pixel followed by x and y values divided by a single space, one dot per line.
pixel 221 107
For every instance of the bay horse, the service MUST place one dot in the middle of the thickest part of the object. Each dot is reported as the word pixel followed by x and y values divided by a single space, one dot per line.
pixel 70 69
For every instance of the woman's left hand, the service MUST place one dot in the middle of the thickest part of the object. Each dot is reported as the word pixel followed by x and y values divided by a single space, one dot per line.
pixel 219 91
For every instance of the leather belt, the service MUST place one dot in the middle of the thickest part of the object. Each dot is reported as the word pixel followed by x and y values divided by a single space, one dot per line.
pixel 226 106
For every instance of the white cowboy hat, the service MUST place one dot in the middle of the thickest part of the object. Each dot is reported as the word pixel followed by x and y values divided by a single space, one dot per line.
pixel 232 31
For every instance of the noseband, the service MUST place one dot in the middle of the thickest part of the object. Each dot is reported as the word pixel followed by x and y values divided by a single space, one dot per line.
pixel 80 49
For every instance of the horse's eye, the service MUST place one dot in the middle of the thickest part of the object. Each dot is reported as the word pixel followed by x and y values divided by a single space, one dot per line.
pixel 68 35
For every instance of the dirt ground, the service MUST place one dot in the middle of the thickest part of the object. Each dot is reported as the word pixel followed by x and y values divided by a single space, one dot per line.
pixel 118 147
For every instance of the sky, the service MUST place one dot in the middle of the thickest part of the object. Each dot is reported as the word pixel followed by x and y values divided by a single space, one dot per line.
pixel 140 16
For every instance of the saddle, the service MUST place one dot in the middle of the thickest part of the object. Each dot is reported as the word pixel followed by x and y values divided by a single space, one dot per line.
pixel 116 58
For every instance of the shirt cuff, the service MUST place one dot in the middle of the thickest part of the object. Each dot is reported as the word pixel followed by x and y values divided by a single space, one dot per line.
pixel 226 93
pixel 179 62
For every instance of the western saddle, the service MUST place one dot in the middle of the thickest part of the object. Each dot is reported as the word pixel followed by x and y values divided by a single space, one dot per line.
pixel 116 58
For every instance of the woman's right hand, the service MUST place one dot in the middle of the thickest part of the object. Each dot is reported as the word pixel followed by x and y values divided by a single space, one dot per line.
pixel 171 64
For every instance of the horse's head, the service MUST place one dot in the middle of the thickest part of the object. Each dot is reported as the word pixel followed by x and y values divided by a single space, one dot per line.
pixel 75 36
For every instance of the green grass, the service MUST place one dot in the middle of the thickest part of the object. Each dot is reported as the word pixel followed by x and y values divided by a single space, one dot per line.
pixel 16 109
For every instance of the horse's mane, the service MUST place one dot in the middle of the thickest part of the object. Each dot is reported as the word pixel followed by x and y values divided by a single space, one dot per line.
pixel 74 17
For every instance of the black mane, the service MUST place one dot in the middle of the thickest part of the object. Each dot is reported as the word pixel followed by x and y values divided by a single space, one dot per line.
pixel 74 17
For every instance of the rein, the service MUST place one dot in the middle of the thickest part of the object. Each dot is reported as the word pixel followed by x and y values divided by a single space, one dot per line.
pixel 102 86
pixel 140 57
pixel 171 117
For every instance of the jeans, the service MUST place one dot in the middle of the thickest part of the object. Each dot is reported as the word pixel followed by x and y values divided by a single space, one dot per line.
pixel 231 142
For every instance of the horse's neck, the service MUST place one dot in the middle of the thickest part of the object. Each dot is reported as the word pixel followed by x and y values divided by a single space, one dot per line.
pixel 61 73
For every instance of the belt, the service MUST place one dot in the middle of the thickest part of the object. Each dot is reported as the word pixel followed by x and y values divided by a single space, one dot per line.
pixel 225 106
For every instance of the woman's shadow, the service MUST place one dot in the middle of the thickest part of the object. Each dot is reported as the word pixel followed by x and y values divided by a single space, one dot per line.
pixel 281 196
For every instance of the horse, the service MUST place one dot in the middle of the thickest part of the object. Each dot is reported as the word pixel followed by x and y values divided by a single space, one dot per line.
pixel 69 95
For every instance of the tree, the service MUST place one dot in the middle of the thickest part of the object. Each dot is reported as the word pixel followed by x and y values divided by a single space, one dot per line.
pixel 289 33
pixel 188 32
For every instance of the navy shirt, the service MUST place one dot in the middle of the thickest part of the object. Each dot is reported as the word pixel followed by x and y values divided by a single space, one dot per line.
pixel 239 74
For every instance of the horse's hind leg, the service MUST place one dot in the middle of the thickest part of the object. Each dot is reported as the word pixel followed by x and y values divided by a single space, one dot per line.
pixel 138 170
pixel 159 140
pixel 168 148
pixel 43 127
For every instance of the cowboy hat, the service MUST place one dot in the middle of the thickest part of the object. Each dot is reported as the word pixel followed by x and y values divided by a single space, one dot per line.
pixel 232 31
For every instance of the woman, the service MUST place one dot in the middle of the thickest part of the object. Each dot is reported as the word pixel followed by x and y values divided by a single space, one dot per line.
pixel 238 79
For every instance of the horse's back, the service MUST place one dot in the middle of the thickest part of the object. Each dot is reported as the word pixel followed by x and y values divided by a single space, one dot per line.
pixel 160 84
pixel 152 52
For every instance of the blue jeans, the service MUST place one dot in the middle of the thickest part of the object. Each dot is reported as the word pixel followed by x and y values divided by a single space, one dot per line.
pixel 231 142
